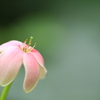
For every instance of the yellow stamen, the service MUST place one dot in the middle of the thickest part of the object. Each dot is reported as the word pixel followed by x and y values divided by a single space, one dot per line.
pixel 34 45
pixel 25 41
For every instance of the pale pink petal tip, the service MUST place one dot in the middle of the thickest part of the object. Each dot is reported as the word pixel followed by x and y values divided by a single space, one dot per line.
pixel 43 72
pixel 26 90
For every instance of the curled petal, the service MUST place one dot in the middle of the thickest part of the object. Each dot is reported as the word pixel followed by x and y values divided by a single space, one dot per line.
pixel 10 63
pixel 10 43
pixel 40 60
pixel 38 57
pixel 32 72
pixel 43 72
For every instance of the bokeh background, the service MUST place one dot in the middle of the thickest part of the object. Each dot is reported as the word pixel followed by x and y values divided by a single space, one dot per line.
pixel 67 33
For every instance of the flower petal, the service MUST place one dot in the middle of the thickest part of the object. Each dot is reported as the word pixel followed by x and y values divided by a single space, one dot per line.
pixel 38 57
pixel 10 43
pixel 10 63
pixel 43 72
pixel 32 72
pixel 40 60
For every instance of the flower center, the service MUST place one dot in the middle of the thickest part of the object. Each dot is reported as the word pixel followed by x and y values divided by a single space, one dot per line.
pixel 26 47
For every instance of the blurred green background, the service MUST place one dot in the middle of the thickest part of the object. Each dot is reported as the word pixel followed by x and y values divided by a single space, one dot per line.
pixel 67 33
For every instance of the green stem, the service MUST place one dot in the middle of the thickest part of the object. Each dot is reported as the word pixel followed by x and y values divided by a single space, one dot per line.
pixel 5 92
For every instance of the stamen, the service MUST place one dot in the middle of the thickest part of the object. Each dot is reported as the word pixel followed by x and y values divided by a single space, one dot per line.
pixel 25 41
pixel 27 48
pixel 34 45
pixel 30 41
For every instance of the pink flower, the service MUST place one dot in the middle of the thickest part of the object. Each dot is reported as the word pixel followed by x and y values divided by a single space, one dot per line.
pixel 13 55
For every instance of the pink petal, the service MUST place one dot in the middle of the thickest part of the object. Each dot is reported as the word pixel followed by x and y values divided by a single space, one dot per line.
pixel 10 43
pixel 32 72
pixel 38 57
pixel 40 60
pixel 10 63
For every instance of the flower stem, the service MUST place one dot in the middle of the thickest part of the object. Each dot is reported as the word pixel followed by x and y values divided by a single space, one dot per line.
pixel 5 92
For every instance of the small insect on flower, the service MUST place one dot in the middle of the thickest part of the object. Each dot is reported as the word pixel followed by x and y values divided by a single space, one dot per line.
pixel 13 55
